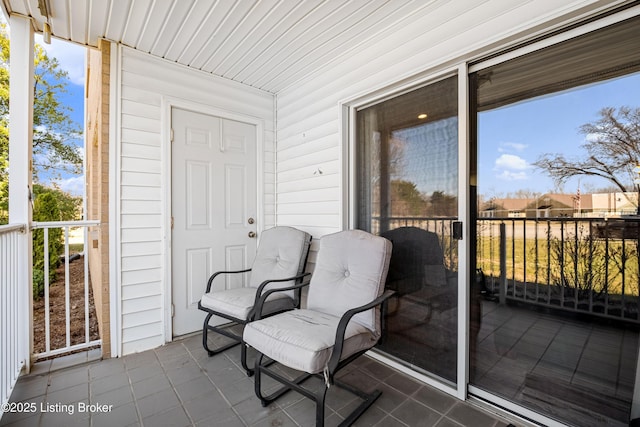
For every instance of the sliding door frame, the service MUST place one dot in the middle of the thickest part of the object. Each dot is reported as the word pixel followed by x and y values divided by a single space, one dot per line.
pixel 349 108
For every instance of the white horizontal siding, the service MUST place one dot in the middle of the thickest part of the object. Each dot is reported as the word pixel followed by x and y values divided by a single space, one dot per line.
pixel 144 82
pixel 436 37
pixel 132 263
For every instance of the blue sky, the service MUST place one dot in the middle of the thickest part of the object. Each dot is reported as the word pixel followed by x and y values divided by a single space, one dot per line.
pixel 511 138
pixel 72 59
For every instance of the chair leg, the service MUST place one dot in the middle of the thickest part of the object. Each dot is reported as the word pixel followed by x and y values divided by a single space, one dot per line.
pixel 319 398
pixel 205 336
pixel 205 333
pixel 261 368
pixel 257 381
pixel 243 360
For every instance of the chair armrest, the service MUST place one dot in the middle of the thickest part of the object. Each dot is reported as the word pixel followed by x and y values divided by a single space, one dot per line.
pixel 256 313
pixel 342 327
pixel 214 275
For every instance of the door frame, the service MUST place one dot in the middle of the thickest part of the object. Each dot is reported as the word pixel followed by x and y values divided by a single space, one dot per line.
pixel 348 108
pixel 167 104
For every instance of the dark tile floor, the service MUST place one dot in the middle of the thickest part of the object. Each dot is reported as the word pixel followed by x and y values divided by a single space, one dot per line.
pixel 178 385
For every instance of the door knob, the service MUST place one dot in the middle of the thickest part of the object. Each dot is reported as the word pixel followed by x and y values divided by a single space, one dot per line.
pixel 252 234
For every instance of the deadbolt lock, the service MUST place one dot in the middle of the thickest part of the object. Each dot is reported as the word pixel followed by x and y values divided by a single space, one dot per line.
pixel 250 220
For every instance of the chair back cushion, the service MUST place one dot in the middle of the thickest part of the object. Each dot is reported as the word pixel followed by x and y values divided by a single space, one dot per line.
pixel 282 253
pixel 350 271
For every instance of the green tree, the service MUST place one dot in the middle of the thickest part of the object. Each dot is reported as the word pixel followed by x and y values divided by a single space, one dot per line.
pixel 407 199
pixel 45 208
pixel 69 207
pixel 54 131
pixel 443 204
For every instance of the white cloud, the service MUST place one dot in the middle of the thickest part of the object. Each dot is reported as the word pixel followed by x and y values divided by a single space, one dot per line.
pixel 74 186
pixel 70 56
pixel 593 137
pixel 512 176
pixel 511 146
pixel 511 162
pixel 509 167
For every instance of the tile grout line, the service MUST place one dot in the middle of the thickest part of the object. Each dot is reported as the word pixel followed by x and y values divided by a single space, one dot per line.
pixel 206 373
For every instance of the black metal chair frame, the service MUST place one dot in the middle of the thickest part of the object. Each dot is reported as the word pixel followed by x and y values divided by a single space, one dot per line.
pixel 328 376
pixel 224 328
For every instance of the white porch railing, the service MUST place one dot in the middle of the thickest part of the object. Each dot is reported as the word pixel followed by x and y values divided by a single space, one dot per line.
pixel 11 359
pixel 66 226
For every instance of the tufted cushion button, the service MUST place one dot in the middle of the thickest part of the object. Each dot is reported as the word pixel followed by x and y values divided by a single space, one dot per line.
pixel 277 258
pixel 346 273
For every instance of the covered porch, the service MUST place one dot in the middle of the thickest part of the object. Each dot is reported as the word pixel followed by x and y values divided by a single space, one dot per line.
pixel 295 74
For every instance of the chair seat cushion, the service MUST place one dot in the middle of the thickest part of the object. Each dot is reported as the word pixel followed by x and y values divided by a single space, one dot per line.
pixel 304 339
pixel 238 302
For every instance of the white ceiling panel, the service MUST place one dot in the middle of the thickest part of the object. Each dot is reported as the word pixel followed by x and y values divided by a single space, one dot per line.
pixel 187 30
pixel 275 30
pixel 206 31
pixel 240 33
pixel 225 31
pixel 267 44
pixel 136 21
pixel 118 17
pixel 173 27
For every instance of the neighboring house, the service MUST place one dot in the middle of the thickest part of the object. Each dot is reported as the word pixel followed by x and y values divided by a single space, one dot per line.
pixel 206 126
pixel 546 206
pixel 615 204
pixel 504 208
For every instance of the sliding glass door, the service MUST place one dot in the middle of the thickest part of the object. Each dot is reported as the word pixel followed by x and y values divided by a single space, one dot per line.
pixel 407 191
pixel 557 138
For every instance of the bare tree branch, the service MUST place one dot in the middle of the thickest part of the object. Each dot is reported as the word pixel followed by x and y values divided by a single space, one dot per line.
pixel 611 151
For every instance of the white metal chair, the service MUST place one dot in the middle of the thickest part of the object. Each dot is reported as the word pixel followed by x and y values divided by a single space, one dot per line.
pixel 280 262
pixel 341 321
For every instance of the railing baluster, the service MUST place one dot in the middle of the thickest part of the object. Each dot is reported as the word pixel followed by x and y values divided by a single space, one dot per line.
pixel 563 280
pixel 606 269
pixel 524 259
pixel 591 290
pixel 85 259
pixel 67 287
pixel 47 308
pixel 513 257
pixel 548 263
pixel 624 269
pixel 576 255
pixel 537 258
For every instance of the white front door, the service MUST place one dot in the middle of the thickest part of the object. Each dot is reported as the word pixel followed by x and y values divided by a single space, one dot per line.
pixel 213 208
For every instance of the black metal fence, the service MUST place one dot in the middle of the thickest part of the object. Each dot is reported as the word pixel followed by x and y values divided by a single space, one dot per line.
pixel 584 265
pixel 587 265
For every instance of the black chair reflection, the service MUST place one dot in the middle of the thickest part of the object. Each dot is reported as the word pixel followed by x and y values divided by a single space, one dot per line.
pixel 417 271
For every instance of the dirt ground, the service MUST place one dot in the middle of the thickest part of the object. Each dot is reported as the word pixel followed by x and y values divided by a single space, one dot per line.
pixel 57 310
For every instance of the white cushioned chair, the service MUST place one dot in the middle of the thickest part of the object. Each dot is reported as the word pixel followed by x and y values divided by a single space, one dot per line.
pixel 341 321
pixel 279 263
